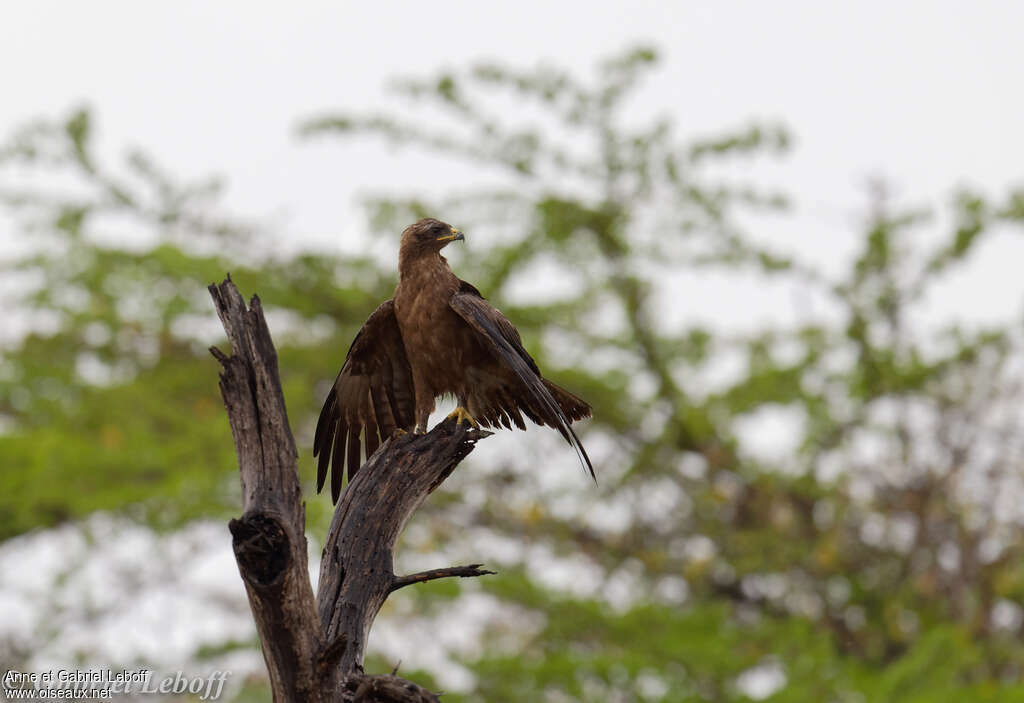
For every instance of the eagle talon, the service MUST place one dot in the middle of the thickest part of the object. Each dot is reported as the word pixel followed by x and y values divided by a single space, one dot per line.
pixel 462 415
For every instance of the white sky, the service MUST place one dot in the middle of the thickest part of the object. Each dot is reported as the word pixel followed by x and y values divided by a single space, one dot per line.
pixel 925 93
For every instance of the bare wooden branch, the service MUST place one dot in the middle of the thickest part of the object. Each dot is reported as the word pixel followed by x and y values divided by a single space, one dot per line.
pixel 356 572
pixel 388 688
pixel 424 576
pixel 314 649
pixel 269 539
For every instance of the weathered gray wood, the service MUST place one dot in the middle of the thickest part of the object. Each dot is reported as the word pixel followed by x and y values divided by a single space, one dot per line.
pixel 269 539
pixel 314 649
pixel 356 573
pixel 387 688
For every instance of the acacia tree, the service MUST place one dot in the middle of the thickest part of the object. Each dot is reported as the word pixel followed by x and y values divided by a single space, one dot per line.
pixel 879 558
pixel 883 537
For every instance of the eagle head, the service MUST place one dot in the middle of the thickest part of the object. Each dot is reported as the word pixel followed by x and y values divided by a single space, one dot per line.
pixel 428 235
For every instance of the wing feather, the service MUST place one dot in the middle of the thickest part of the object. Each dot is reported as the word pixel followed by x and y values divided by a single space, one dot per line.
pixel 383 411
pixel 339 459
pixel 534 397
pixel 325 425
pixel 324 438
pixel 372 396
pixel 371 429
pixel 353 451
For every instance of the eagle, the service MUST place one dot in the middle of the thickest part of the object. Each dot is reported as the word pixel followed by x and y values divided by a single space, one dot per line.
pixel 437 336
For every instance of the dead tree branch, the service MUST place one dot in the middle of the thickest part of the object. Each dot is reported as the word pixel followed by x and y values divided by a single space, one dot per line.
pixel 269 539
pixel 314 649
pixel 424 576
pixel 356 573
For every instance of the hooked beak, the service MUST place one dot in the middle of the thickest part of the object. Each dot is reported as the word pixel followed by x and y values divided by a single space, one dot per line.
pixel 454 236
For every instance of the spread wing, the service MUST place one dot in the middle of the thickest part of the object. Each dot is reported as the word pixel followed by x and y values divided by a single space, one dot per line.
pixel 373 396
pixel 529 393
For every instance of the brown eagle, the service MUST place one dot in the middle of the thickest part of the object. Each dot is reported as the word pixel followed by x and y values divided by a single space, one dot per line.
pixel 437 336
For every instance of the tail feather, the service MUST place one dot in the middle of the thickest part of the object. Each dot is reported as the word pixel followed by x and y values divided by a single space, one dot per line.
pixel 573 406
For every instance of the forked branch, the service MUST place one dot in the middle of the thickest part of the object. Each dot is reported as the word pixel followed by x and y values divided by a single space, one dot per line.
pixel 314 649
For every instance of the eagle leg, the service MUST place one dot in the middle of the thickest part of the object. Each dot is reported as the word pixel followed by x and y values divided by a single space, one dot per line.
pixel 462 415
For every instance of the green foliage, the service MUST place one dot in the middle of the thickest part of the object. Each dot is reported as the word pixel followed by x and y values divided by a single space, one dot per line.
pixel 867 564
pixel 846 610
pixel 115 405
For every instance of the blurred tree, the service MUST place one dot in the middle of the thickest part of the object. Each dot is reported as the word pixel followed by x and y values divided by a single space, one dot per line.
pixel 105 387
pixel 879 561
